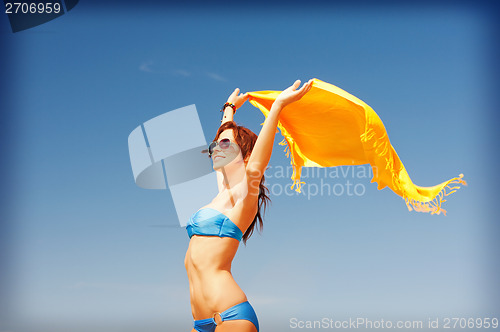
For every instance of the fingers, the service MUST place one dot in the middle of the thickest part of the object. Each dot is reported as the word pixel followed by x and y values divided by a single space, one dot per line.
pixel 236 93
pixel 242 96
pixel 305 88
pixel 307 84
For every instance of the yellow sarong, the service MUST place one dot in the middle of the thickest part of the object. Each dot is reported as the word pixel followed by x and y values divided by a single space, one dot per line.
pixel 330 127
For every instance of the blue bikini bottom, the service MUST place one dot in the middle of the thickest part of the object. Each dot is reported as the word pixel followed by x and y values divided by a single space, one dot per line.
pixel 240 311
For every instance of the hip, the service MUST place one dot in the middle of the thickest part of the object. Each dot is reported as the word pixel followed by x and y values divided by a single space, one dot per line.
pixel 213 292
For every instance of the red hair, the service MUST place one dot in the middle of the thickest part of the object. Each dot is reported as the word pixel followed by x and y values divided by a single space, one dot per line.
pixel 245 138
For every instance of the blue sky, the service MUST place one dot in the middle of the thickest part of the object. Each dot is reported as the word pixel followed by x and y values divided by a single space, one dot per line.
pixel 91 250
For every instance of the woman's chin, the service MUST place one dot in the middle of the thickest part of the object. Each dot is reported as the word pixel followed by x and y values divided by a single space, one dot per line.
pixel 218 164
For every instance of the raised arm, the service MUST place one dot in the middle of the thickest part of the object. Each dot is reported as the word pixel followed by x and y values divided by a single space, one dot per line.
pixel 237 99
pixel 263 148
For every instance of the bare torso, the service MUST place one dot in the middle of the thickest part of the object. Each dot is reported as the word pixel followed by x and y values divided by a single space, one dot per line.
pixel 208 263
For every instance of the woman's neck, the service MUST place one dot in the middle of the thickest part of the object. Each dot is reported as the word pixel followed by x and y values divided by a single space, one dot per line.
pixel 231 177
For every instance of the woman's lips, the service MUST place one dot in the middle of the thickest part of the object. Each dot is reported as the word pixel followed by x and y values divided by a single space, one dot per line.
pixel 218 157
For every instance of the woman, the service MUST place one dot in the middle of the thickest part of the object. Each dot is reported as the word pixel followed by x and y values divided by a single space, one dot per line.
pixel 240 159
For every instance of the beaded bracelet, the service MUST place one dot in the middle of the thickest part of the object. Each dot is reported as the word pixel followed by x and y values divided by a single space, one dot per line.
pixel 230 105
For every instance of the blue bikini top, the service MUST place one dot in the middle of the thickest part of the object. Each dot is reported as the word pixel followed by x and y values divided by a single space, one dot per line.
pixel 211 222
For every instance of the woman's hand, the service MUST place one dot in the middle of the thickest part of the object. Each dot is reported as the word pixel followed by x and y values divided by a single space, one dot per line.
pixel 291 94
pixel 237 98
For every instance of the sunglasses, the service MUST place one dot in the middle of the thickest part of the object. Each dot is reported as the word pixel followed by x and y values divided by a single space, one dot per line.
pixel 224 144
